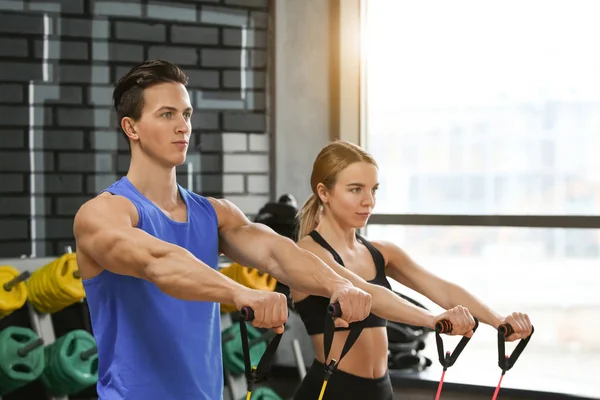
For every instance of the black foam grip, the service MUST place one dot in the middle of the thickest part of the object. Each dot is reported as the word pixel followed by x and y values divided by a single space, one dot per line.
pixel 247 313
pixel 443 326
pixel 335 310
pixel 506 330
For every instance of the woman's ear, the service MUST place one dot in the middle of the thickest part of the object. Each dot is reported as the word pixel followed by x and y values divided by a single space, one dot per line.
pixel 322 193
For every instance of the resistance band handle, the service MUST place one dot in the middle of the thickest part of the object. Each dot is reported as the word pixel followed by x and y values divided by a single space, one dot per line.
pixel 443 326
pixel 247 313
pixel 335 310
pixel 504 362
pixel 258 373
pixel 448 359
pixel 506 330
pixel 8 286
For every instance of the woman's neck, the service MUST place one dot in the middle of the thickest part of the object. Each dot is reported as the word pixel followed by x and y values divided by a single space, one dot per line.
pixel 336 234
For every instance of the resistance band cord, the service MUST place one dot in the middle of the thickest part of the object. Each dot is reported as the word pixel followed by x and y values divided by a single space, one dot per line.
pixel 504 362
pixel 355 331
pixel 448 359
pixel 507 362
pixel 256 374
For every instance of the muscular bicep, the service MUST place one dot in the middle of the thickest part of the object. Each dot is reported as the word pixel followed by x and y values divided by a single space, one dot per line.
pixel 105 234
pixel 241 240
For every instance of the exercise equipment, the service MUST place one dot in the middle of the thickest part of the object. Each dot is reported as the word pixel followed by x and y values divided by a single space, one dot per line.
pixel 404 345
pixel 264 393
pixel 408 361
pixel 248 277
pixel 233 353
pixel 258 373
pixel 21 358
pixel 334 310
pixel 280 216
pixel 448 359
pixel 56 286
pixel 405 341
pixel 71 363
pixel 13 290
pixel 507 362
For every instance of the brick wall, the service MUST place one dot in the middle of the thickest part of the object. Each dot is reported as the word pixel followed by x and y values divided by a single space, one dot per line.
pixel 59 143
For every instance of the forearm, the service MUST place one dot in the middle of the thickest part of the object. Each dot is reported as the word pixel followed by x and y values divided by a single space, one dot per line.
pixel 173 269
pixel 459 296
pixel 388 305
pixel 384 303
pixel 181 275
pixel 303 271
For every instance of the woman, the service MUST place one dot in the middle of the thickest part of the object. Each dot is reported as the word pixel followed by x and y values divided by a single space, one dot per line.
pixel 344 183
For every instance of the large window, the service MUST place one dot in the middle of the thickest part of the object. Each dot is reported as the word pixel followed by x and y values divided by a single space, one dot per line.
pixel 479 108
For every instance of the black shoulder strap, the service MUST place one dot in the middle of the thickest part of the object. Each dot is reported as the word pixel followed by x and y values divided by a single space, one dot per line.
pixel 376 254
pixel 319 239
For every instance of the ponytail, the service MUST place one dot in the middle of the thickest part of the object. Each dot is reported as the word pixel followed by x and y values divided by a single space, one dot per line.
pixel 309 216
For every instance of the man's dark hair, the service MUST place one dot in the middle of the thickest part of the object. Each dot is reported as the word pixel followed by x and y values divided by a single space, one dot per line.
pixel 128 96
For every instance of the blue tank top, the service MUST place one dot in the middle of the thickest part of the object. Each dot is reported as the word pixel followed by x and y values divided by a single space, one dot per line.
pixel 152 345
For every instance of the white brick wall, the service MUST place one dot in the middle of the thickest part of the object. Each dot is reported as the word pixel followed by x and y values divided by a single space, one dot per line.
pixel 233 184
pixel 259 142
pixel 245 163
pixel 258 184
pixel 248 204
pixel 233 142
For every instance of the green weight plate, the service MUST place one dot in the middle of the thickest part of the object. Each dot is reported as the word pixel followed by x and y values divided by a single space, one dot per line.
pixel 16 370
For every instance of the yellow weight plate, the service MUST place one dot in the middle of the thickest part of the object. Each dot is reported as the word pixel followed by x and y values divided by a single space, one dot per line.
pixel 54 286
pixel 15 298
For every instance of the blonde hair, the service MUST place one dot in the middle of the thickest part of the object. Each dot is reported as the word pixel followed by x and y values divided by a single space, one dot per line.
pixel 330 161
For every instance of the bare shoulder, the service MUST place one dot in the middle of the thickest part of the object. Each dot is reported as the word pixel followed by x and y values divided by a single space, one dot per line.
pixel 102 210
pixel 228 214
pixel 384 247
pixel 381 245
pixel 307 243
pixel 95 221
pixel 390 251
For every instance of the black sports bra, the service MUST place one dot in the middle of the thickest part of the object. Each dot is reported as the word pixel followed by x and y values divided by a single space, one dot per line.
pixel 312 309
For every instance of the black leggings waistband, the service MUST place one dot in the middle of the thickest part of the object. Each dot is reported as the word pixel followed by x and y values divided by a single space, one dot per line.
pixel 343 386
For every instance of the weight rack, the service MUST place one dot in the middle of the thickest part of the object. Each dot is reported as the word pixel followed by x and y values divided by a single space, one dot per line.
pixel 235 386
pixel 41 323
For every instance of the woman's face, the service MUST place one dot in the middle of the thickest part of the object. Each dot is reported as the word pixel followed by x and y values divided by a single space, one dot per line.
pixel 352 198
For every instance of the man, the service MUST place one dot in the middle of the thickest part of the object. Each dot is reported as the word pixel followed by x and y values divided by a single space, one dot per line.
pixel 148 249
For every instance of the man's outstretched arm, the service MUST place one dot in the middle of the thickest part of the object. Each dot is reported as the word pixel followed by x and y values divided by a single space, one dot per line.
pixel 258 246
pixel 107 239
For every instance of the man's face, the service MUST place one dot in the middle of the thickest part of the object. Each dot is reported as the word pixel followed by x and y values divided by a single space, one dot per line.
pixel 164 127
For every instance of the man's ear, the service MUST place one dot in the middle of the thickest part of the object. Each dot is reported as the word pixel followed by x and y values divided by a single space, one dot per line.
pixel 128 126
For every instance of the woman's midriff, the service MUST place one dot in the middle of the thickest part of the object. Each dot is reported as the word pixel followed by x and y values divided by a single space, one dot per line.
pixel 368 356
